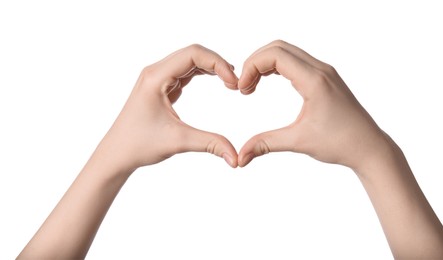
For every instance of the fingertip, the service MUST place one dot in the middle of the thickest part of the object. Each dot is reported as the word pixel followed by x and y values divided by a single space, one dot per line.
pixel 248 91
pixel 222 147
pixel 244 160
pixel 232 86
pixel 230 160
pixel 247 83
pixel 241 82
pixel 225 71
pixel 230 80
pixel 254 147
pixel 235 79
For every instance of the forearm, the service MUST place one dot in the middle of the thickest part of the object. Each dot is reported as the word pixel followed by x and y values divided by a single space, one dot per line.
pixel 411 227
pixel 71 227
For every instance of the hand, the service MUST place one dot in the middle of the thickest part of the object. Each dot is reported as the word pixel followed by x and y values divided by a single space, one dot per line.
pixel 148 130
pixel 332 126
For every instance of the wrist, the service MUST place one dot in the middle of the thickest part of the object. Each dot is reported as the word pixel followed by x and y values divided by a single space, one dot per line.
pixel 386 156
pixel 109 163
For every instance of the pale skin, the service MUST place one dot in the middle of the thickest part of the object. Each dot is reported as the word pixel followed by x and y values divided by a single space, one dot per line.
pixel 331 127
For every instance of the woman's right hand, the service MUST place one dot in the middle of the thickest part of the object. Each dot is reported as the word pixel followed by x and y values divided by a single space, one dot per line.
pixel 332 126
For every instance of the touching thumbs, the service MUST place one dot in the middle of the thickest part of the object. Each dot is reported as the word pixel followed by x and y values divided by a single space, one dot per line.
pixel 201 141
pixel 272 141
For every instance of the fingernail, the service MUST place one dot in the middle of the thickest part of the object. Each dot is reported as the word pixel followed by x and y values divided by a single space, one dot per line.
pixel 247 159
pixel 228 159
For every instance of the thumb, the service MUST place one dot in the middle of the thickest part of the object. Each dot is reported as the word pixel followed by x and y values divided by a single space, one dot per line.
pixel 278 140
pixel 201 141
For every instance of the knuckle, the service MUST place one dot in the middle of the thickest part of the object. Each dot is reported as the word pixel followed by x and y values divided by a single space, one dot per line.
pixel 320 78
pixel 247 62
pixel 248 65
pixel 278 51
pixel 146 76
pixel 195 47
pixel 329 69
pixel 147 71
pixel 278 42
pixel 264 147
pixel 261 147
pixel 212 145
pixel 324 74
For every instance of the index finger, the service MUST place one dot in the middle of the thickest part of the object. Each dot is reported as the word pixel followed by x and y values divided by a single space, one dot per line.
pixel 184 62
pixel 275 59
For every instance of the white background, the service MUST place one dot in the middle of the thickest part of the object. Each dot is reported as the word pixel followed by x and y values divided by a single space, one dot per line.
pixel 66 70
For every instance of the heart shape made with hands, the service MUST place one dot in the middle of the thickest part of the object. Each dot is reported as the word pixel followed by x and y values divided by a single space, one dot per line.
pixel 247 84
pixel 207 105
pixel 204 61
pixel 331 127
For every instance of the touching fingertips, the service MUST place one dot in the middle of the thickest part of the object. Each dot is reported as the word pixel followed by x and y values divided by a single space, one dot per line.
pixel 229 77
pixel 230 160
pixel 234 80
pixel 245 92
pixel 230 81
pixel 248 90
pixel 231 85
pixel 245 160
pixel 247 82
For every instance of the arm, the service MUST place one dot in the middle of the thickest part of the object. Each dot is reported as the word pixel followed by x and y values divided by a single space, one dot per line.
pixel 146 132
pixel 333 127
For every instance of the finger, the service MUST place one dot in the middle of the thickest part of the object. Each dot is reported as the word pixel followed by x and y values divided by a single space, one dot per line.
pixel 306 57
pixel 182 82
pixel 195 72
pixel 201 141
pixel 278 140
pixel 252 79
pixel 174 91
pixel 276 59
pixel 253 86
pixel 174 95
pixel 182 63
